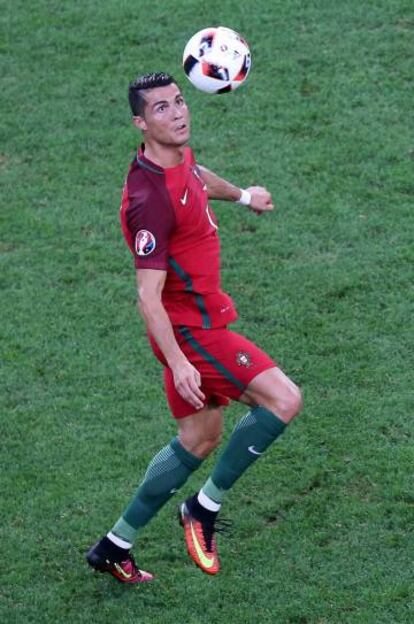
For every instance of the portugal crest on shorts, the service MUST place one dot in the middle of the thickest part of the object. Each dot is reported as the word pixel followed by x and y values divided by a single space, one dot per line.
pixel 144 242
pixel 243 359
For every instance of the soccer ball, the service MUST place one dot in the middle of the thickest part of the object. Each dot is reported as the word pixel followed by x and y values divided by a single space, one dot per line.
pixel 216 60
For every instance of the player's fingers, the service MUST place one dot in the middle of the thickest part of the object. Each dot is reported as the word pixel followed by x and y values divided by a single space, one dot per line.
pixel 190 397
pixel 196 403
pixel 196 390
pixel 196 386
pixel 197 377
pixel 191 393
pixel 195 400
pixel 266 208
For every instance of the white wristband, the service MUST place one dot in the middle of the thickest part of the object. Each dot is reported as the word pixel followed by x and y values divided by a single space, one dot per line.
pixel 245 198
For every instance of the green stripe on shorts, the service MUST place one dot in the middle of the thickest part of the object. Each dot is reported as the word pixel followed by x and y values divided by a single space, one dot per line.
pixel 185 332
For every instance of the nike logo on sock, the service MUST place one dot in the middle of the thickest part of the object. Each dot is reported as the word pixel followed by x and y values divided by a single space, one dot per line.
pixel 253 450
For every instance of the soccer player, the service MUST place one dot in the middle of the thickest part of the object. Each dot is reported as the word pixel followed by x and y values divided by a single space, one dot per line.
pixel 171 231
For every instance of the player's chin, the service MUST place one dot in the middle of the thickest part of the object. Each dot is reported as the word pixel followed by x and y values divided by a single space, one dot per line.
pixel 182 136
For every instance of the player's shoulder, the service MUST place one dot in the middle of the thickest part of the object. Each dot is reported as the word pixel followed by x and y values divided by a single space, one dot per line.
pixel 142 175
pixel 145 195
pixel 145 182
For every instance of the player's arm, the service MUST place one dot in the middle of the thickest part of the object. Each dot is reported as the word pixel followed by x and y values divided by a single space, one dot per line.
pixel 187 380
pixel 256 197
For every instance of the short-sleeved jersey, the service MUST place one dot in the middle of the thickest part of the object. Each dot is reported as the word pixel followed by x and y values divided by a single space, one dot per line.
pixel 169 225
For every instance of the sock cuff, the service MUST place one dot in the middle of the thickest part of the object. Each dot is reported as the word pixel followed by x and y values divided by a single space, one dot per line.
pixel 118 541
pixel 213 492
pixel 123 530
pixel 188 459
pixel 268 420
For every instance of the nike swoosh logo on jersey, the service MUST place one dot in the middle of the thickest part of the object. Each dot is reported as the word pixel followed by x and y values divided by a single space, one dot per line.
pixel 183 199
pixel 253 450
pixel 206 561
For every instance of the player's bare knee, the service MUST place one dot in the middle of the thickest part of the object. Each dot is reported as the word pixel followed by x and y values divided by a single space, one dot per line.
pixel 211 443
pixel 289 405
pixel 200 446
pixel 293 403
pixel 205 447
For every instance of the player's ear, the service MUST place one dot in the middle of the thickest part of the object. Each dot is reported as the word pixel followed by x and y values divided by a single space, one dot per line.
pixel 139 122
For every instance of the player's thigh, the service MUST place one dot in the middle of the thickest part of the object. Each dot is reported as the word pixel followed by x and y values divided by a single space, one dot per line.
pixel 275 391
pixel 179 407
pixel 227 361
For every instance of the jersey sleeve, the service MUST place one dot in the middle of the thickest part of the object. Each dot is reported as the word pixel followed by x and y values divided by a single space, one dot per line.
pixel 150 221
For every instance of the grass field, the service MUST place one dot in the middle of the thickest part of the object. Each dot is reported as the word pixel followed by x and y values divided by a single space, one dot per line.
pixel 323 525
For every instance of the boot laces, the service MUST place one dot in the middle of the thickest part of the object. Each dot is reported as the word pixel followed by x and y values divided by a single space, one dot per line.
pixel 220 525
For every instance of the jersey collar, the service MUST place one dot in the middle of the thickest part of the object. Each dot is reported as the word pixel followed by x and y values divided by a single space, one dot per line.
pixel 144 163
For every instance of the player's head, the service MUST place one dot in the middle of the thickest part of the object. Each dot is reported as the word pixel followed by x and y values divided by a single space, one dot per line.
pixel 140 85
pixel 159 109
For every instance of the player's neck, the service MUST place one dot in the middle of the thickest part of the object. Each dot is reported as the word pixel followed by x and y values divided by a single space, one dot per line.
pixel 164 155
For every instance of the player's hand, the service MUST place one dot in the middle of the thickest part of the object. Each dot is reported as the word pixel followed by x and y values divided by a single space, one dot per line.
pixel 261 200
pixel 187 381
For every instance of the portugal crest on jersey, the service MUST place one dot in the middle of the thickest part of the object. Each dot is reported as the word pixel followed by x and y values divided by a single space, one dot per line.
pixel 243 359
pixel 144 242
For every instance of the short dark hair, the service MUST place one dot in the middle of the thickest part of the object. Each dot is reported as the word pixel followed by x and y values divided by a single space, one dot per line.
pixel 147 81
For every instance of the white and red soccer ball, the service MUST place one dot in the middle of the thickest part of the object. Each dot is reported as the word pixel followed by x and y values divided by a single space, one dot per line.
pixel 217 60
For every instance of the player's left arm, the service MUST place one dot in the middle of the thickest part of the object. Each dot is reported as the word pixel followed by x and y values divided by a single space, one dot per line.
pixel 257 198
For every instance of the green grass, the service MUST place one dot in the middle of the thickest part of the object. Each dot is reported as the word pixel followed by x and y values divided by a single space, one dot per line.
pixel 323 524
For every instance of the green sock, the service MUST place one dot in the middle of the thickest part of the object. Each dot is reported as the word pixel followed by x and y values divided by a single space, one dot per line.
pixel 166 473
pixel 250 438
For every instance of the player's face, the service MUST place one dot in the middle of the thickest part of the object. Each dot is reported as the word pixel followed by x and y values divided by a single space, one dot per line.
pixel 166 119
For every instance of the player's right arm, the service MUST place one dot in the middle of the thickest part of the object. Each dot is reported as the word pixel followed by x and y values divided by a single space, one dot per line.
pixel 260 200
pixel 187 380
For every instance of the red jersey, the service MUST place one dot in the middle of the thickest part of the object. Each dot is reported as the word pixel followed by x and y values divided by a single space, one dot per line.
pixel 169 225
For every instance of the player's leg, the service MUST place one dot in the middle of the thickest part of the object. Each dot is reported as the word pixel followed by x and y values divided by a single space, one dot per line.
pixel 170 468
pixel 228 363
pixel 275 400
pixel 247 374
pixel 200 434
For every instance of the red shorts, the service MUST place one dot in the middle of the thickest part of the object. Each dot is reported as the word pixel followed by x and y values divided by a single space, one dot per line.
pixel 226 361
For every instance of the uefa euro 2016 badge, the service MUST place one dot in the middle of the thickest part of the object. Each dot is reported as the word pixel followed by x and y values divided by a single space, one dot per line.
pixel 144 242
pixel 243 359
